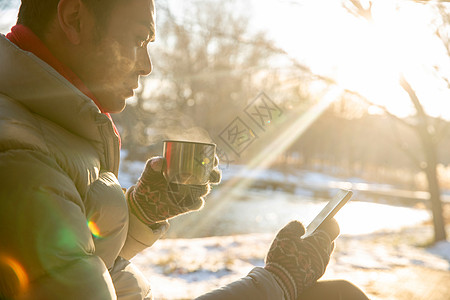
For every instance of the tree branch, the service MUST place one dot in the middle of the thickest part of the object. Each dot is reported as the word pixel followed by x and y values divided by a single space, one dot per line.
pixel 422 116
pixel 356 9
pixel 384 109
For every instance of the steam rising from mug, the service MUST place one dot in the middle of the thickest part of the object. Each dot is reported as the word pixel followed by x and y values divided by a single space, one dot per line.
pixel 188 162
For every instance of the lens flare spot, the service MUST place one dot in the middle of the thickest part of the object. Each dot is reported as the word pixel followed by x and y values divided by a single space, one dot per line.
pixel 19 284
pixel 94 229
pixel 205 161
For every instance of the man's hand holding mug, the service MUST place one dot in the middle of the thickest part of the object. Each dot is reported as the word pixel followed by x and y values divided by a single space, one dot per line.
pixel 175 183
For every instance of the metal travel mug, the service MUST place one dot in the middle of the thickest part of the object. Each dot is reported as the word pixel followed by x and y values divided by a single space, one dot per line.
pixel 188 162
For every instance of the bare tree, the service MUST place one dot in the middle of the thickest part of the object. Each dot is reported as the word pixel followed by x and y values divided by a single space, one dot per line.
pixel 423 125
pixel 426 132
pixel 208 63
pixel 208 59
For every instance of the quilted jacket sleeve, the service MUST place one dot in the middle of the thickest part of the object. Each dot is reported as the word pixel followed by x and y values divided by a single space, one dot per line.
pixel 141 236
pixel 46 248
pixel 258 284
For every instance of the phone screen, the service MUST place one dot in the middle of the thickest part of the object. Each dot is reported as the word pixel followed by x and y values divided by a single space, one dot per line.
pixel 329 210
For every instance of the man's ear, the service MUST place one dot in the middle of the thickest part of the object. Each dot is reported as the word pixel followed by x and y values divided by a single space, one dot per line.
pixel 71 17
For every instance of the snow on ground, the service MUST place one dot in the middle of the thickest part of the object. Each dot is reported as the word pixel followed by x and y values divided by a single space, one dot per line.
pixel 441 249
pixel 380 248
pixel 186 268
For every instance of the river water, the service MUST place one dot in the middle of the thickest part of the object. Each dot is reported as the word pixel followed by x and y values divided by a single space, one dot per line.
pixel 268 211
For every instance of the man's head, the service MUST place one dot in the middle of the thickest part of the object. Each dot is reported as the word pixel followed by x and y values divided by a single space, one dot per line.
pixel 103 41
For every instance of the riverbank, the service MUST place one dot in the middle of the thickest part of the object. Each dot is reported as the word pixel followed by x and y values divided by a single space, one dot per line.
pixel 386 265
pixel 383 247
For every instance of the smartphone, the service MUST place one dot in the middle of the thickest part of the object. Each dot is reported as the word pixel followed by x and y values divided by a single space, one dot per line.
pixel 329 211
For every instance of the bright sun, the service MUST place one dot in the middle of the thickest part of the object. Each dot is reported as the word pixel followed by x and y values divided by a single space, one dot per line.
pixel 369 57
pixel 395 42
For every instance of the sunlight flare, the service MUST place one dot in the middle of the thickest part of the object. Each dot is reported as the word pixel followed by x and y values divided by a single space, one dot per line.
pixel 396 41
pixel 94 229
pixel 292 129
pixel 21 281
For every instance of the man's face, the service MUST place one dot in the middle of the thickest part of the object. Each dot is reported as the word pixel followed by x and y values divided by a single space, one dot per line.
pixel 117 55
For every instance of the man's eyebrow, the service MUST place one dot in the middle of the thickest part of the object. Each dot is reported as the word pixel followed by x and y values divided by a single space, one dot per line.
pixel 151 28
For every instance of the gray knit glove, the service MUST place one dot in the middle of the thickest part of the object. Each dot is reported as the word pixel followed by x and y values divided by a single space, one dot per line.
pixel 298 263
pixel 153 199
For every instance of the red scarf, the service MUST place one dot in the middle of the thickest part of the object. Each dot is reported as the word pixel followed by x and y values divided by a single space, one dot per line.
pixel 26 40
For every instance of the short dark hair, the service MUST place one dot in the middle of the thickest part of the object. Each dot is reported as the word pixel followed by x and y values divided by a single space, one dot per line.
pixel 37 14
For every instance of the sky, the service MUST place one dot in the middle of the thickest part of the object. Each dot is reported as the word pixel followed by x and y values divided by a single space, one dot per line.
pixel 366 57
pixel 362 56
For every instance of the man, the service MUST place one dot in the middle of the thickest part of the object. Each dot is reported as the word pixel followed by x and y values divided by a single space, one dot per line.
pixel 67 230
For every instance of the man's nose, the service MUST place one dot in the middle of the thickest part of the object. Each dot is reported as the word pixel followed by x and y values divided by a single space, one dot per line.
pixel 144 63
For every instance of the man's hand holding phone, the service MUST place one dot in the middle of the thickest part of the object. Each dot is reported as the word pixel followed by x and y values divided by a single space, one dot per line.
pixel 297 260
pixel 297 263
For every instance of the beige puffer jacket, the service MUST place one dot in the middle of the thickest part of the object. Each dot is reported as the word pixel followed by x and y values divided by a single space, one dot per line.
pixel 63 215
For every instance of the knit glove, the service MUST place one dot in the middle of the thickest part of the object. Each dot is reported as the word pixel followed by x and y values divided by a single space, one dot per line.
pixel 298 263
pixel 153 199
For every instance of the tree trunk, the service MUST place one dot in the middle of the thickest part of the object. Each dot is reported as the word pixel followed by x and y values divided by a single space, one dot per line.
pixel 429 147
pixel 433 185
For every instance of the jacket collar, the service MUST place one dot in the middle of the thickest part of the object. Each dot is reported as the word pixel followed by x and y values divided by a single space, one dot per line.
pixel 29 80
pixel 39 87
pixel 26 40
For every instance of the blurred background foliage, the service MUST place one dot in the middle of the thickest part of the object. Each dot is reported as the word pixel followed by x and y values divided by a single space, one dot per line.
pixel 209 63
